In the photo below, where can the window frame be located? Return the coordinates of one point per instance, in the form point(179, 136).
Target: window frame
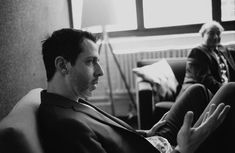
point(193, 28)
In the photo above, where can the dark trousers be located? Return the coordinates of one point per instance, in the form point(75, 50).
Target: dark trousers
point(197, 99)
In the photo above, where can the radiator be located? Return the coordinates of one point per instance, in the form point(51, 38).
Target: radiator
point(129, 61)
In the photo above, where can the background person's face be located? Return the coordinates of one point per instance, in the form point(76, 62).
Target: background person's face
point(212, 37)
point(83, 76)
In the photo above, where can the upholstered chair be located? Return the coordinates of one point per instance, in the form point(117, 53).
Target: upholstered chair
point(18, 130)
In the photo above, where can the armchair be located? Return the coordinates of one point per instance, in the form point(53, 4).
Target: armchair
point(150, 109)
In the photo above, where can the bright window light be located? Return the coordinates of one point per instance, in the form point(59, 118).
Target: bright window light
point(165, 13)
point(228, 10)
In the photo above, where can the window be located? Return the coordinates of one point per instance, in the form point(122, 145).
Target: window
point(228, 10)
point(126, 16)
point(165, 13)
point(161, 17)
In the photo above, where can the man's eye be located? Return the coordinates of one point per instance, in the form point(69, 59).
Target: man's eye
point(91, 61)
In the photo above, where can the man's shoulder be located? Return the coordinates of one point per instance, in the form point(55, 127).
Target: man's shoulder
point(54, 118)
point(199, 50)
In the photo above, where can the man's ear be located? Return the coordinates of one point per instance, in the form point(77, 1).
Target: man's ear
point(61, 65)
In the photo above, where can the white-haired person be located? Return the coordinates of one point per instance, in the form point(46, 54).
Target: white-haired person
point(210, 63)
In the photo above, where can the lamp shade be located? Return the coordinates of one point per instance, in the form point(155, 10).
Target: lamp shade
point(98, 12)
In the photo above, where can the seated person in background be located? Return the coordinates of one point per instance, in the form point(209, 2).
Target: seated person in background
point(70, 124)
point(210, 64)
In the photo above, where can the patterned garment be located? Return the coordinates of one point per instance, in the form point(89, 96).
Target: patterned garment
point(160, 143)
point(223, 66)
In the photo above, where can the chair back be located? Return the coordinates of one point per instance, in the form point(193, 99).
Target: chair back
point(18, 130)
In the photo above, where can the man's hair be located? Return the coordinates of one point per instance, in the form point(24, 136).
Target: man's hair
point(209, 25)
point(66, 43)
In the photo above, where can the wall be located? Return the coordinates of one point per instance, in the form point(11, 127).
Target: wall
point(23, 25)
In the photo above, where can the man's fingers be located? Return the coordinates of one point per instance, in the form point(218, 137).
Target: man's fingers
point(218, 110)
point(205, 117)
point(224, 113)
point(218, 116)
point(188, 119)
point(212, 109)
point(160, 123)
point(163, 117)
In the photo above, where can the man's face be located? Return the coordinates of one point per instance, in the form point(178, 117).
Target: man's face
point(212, 37)
point(83, 76)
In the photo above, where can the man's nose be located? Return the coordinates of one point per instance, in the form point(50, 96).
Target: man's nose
point(99, 70)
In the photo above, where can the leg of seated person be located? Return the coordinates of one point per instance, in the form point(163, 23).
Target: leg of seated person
point(226, 94)
point(195, 99)
point(220, 139)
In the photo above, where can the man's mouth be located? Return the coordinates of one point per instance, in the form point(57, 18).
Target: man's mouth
point(95, 82)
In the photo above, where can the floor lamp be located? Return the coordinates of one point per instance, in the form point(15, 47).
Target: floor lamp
point(108, 48)
point(102, 12)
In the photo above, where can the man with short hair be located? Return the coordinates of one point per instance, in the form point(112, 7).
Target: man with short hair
point(70, 124)
point(210, 63)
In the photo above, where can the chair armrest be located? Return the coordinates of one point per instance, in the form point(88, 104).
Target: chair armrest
point(145, 105)
point(18, 130)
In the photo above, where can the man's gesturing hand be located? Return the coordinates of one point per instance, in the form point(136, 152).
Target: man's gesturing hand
point(189, 138)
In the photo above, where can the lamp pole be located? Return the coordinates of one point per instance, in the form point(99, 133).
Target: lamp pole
point(108, 47)
point(104, 43)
